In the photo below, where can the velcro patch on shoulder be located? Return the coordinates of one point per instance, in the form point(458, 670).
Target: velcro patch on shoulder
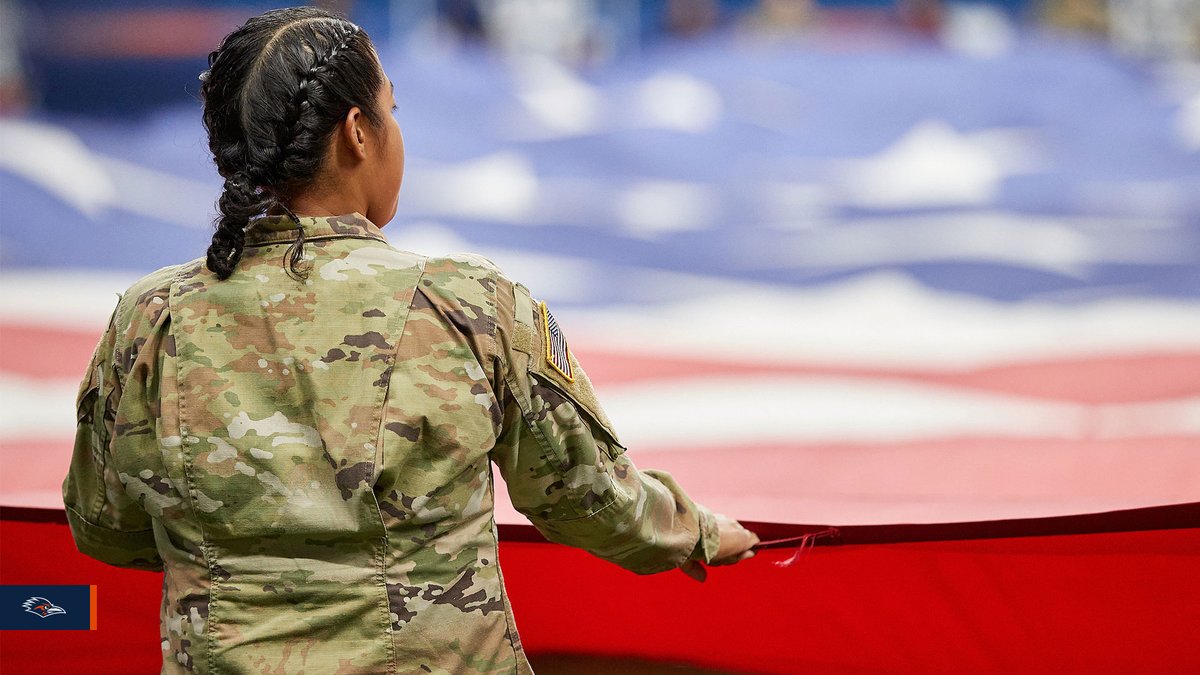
point(557, 353)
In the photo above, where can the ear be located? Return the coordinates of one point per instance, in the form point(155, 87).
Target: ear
point(353, 133)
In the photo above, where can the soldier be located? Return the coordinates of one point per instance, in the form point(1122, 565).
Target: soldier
point(300, 428)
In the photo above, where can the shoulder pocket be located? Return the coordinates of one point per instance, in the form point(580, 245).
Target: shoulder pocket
point(93, 380)
point(580, 396)
point(89, 392)
point(553, 363)
point(85, 405)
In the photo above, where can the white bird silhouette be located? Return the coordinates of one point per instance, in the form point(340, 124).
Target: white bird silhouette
point(42, 607)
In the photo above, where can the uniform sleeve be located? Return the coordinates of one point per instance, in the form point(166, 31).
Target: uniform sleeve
point(564, 466)
point(107, 525)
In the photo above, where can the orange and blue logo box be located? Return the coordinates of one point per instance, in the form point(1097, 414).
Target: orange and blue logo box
point(47, 607)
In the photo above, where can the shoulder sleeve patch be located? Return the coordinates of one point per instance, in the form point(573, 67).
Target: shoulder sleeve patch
point(557, 353)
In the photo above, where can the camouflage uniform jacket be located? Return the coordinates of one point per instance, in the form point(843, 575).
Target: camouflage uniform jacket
point(310, 461)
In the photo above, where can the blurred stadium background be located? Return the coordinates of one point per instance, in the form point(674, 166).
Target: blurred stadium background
point(827, 261)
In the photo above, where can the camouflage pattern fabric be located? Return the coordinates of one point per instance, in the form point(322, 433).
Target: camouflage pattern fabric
point(310, 461)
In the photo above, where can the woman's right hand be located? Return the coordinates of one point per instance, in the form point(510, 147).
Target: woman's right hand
point(737, 544)
point(736, 541)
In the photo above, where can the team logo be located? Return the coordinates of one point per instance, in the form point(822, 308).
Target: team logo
point(42, 607)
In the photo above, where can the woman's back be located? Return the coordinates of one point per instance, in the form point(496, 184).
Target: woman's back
point(318, 473)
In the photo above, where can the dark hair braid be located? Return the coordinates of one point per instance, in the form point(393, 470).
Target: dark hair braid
point(273, 94)
point(239, 203)
point(295, 126)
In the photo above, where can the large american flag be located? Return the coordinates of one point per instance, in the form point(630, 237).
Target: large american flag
point(895, 285)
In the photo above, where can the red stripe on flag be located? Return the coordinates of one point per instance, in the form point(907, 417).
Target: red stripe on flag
point(1109, 379)
point(46, 351)
point(1106, 379)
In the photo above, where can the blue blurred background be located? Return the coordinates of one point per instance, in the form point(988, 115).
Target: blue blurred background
point(1006, 148)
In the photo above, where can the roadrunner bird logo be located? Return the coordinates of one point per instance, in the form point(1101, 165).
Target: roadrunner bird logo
point(42, 607)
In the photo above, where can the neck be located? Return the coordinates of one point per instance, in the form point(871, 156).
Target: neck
point(329, 196)
point(324, 205)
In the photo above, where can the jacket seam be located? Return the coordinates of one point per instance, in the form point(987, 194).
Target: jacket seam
point(210, 627)
point(100, 454)
point(381, 406)
point(319, 237)
point(387, 618)
point(493, 354)
point(492, 346)
point(514, 638)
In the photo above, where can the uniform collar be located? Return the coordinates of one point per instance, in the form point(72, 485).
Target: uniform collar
point(282, 229)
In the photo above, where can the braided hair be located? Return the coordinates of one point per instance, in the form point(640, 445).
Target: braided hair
point(274, 92)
